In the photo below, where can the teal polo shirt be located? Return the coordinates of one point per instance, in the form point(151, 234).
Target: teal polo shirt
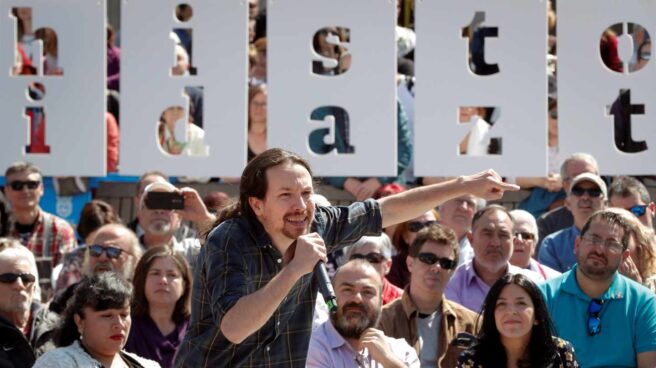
point(628, 320)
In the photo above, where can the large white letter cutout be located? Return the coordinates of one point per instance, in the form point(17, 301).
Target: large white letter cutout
point(331, 84)
point(54, 117)
point(605, 108)
point(151, 92)
point(506, 71)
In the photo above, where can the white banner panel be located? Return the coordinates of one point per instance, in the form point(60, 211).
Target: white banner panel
point(149, 90)
point(66, 93)
point(333, 100)
point(510, 40)
point(607, 113)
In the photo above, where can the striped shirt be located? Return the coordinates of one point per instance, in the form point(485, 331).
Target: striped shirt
point(238, 260)
point(50, 238)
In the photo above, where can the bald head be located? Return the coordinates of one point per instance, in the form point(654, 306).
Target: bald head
point(115, 236)
point(358, 270)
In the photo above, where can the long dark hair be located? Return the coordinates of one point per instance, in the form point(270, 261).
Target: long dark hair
point(541, 349)
point(140, 306)
point(254, 181)
point(107, 290)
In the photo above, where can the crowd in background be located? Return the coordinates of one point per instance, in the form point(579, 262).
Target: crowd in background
point(118, 292)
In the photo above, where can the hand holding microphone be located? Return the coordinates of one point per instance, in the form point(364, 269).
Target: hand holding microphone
point(309, 256)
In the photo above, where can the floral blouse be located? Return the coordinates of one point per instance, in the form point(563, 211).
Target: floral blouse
point(564, 358)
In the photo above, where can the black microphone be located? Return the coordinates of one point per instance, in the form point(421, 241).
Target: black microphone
point(325, 286)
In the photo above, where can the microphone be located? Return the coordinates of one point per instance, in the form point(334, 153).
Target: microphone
point(325, 286)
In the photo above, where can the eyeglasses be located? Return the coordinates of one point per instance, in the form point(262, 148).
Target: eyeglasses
point(594, 322)
point(638, 210)
point(112, 252)
point(430, 259)
point(523, 235)
point(415, 226)
point(370, 257)
point(10, 278)
point(592, 192)
point(19, 185)
point(610, 244)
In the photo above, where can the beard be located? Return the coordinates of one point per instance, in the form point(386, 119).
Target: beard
point(347, 328)
point(19, 303)
point(597, 269)
point(160, 227)
point(293, 232)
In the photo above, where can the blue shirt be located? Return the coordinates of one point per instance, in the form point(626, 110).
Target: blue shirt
point(628, 320)
point(238, 260)
point(557, 249)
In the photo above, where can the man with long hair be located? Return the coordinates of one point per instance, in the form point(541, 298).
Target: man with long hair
point(254, 296)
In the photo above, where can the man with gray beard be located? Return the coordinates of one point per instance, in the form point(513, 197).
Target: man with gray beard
point(349, 338)
point(160, 225)
point(25, 325)
point(113, 248)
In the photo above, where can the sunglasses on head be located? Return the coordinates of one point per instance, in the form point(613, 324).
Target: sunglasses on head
point(430, 259)
point(638, 210)
point(370, 257)
point(523, 235)
point(594, 322)
point(415, 226)
point(10, 278)
point(112, 252)
point(592, 192)
point(19, 184)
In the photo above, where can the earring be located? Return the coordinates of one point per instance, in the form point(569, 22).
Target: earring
point(81, 331)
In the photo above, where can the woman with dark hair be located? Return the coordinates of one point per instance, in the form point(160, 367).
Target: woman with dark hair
point(95, 214)
point(404, 234)
point(95, 327)
point(517, 330)
point(161, 305)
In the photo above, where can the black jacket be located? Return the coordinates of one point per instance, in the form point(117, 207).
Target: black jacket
point(15, 349)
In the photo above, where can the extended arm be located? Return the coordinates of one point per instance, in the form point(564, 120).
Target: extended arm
point(412, 203)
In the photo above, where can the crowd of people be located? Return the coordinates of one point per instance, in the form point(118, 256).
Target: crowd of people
point(425, 271)
point(460, 283)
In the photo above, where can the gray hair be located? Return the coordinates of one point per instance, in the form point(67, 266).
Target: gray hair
point(579, 156)
point(135, 248)
point(525, 216)
point(11, 248)
point(382, 241)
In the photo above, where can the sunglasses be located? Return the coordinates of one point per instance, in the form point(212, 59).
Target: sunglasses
point(594, 322)
point(522, 235)
point(112, 252)
point(430, 259)
point(415, 226)
point(19, 185)
point(638, 210)
point(10, 278)
point(592, 192)
point(370, 257)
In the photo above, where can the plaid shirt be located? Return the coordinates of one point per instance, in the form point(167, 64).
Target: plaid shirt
point(238, 260)
point(49, 240)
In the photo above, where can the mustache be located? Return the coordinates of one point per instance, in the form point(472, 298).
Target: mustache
point(353, 305)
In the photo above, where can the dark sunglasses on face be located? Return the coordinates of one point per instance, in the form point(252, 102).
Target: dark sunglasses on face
point(522, 235)
point(430, 259)
point(592, 192)
point(19, 184)
point(370, 257)
point(415, 226)
point(594, 322)
point(112, 252)
point(10, 278)
point(638, 210)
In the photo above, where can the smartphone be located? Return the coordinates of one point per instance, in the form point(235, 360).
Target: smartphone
point(164, 201)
